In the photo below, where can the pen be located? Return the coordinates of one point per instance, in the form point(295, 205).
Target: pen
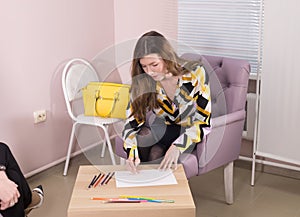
point(109, 178)
point(92, 182)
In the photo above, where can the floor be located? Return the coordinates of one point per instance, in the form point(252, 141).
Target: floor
point(272, 195)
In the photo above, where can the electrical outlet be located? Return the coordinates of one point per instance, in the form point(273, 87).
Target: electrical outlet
point(39, 116)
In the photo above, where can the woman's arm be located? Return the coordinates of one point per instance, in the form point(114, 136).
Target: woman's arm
point(131, 128)
point(199, 119)
point(196, 122)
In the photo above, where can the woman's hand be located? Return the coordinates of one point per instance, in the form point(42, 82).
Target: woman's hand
point(9, 193)
point(171, 157)
point(132, 163)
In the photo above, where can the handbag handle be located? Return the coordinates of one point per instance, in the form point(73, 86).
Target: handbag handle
point(99, 97)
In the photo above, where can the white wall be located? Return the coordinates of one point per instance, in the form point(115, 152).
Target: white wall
point(278, 135)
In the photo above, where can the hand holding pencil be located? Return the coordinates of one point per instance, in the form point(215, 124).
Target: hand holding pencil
point(132, 163)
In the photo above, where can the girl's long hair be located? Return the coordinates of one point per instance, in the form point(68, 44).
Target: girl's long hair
point(143, 87)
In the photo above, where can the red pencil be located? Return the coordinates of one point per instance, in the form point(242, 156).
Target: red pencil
point(95, 185)
point(106, 177)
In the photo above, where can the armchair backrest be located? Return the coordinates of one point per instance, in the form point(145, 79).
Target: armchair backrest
point(228, 82)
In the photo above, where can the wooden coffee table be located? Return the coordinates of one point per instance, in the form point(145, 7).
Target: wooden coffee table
point(81, 204)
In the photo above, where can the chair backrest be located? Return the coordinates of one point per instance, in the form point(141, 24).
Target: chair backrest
point(233, 75)
point(77, 73)
point(228, 82)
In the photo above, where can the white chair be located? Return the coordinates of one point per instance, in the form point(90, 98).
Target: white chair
point(77, 73)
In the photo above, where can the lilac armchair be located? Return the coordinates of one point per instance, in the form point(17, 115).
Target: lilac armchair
point(229, 83)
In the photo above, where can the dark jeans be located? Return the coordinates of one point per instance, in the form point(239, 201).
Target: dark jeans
point(14, 173)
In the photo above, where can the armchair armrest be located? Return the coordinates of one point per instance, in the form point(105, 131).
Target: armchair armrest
point(223, 143)
point(228, 118)
point(215, 149)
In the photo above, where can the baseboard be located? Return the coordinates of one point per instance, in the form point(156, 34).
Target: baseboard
point(56, 162)
point(262, 166)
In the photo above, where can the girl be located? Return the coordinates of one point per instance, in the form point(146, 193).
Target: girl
point(176, 92)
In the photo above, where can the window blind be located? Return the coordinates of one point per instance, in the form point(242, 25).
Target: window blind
point(231, 28)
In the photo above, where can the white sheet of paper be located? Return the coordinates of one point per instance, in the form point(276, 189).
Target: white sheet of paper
point(152, 177)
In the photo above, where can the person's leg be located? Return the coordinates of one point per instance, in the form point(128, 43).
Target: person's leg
point(14, 173)
point(37, 199)
point(145, 141)
point(149, 148)
point(144, 153)
point(156, 153)
point(162, 138)
point(154, 142)
point(166, 134)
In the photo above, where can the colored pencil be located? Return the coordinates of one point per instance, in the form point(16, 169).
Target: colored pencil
point(95, 185)
point(92, 182)
point(147, 198)
point(96, 179)
point(137, 197)
point(124, 201)
point(109, 178)
point(117, 200)
point(106, 177)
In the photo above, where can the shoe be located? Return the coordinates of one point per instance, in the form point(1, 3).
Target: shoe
point(37, 199)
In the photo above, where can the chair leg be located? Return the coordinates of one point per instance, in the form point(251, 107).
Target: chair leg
point(104, 146)
point(72, 136)
point(112, 156)
point(228, 182)
point(122, 161)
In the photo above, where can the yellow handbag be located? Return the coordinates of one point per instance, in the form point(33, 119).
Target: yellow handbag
point(105, 99)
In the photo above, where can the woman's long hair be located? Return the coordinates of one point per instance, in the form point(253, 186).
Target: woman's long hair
point(143, 87)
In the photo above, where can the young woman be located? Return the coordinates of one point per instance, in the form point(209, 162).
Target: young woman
point(176, 91)
point(16, 198)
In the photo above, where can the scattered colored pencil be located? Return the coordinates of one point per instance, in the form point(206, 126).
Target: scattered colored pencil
point(99, 180)
point(92, 182)
point(109, 178)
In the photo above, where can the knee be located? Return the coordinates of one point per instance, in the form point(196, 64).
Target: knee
point(14, 176)
point(156, 152)
point(3, 146)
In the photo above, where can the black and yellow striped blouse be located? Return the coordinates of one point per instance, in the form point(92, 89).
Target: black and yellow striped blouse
point(190, 108)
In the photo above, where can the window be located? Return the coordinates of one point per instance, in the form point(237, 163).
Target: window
point(231, 28)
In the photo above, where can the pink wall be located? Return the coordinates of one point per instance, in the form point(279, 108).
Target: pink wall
point(135, 17)
point(37, 38)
